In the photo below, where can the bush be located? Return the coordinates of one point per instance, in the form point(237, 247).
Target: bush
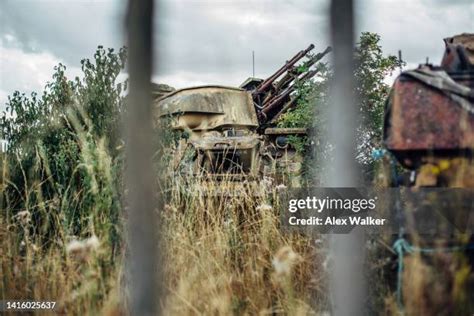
point(372, 67)
point(63, 150)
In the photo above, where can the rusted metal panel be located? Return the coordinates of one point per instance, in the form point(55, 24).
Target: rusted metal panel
point(466, 40)
point(226, 143)
point(285, 131)
point(422, 118)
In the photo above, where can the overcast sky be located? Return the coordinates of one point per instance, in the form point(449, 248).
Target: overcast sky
point(204, 41)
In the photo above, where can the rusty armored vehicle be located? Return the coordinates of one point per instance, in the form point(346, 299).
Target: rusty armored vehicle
point(429, 130)
point(429, 122)
point(231, 132)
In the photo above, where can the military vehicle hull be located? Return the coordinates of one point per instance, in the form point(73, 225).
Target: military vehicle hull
point(224, 142)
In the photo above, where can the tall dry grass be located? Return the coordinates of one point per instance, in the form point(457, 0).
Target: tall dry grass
point(225, 251)
point(229, 255)
point(42, 256)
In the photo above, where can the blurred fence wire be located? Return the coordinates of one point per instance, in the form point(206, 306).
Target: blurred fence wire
point(143, 262)
point(346, 280)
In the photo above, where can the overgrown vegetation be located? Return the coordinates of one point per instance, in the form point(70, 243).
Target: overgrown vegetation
point(63, 149)
point(61, 186)
point(61, 214)
point(61, 208)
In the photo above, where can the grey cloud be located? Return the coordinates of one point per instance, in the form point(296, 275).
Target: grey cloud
point(449, 3)
point(207, 37)
point(415, 27)
point(70, 30)
point(218, 36)
point(213, 40)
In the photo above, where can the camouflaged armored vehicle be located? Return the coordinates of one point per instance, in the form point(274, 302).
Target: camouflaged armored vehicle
point(223, 141)
point(231, 132)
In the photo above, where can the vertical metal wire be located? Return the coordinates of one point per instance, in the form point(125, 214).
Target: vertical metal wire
point(253, 64)
point(347, 282)
point(142, 227)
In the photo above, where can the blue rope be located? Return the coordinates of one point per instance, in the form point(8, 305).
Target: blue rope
point(399, 246)
point(402, 246)
point(378, 153)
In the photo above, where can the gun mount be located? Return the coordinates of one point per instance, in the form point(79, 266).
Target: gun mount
point(272, 96)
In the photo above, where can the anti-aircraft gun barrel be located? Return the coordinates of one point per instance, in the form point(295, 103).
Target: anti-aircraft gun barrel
point(272, 95)
point(318, 56)
point(287, 79)
point(281, 99)
point(268, 82)
point(292, 74)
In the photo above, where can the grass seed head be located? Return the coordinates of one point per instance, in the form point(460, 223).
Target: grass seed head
point(284, 261)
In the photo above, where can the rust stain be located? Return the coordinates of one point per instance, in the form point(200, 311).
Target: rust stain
point(423, 118)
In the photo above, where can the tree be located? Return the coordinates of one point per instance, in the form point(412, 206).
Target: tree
point(63, 148)
point(372, 67)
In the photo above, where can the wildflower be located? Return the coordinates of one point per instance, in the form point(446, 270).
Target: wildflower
point(75, 247)
point(228, 222)
point(264, 208)
point(170, 209)
point(92, 242)
point(284, 261)
point(81, 248)
point(24, 217)
point(267, 182)
point(444, 165)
